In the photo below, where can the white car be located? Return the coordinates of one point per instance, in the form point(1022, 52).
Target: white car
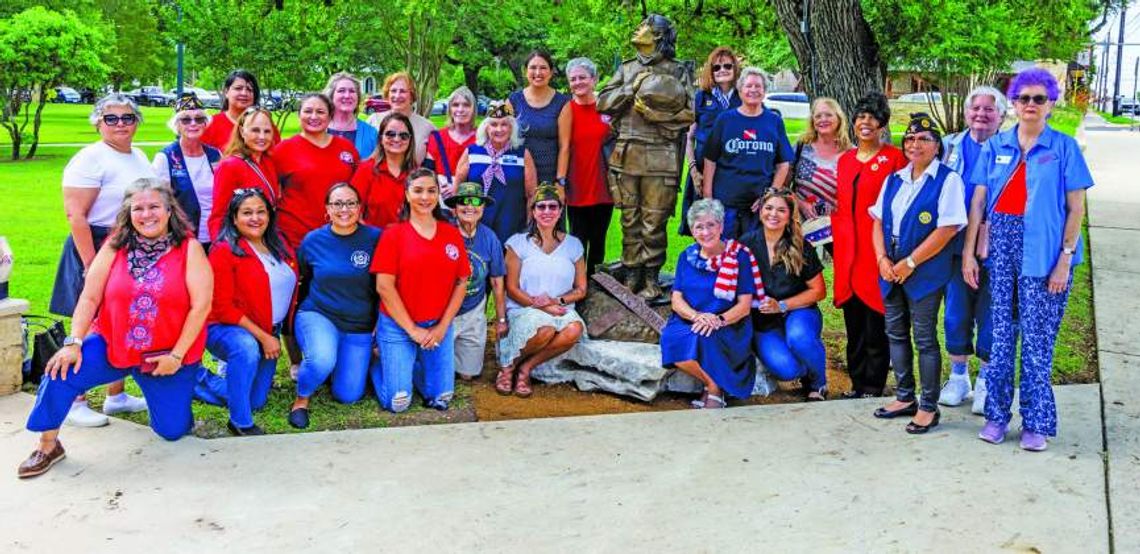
point(209, 98)
point(790, 105)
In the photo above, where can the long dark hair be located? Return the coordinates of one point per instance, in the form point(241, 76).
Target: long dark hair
point(230, 236)
point(245, 76)
point(124, 234)
point(406, 209)
point(409, 155)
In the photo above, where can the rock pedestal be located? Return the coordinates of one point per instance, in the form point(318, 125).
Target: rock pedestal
point(11, 345)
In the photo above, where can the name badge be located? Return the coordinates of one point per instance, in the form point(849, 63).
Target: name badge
point(1003, 160)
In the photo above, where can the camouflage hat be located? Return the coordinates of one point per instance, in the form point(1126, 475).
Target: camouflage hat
point(468, 190)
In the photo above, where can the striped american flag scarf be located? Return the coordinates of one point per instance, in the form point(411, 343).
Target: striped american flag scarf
point(727, 270)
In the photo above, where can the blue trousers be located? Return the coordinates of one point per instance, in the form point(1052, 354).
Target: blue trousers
point(249, 375)
point(1026, 303)
point(907, 317)
point(738, 222)
point(404, 365)
point(795, 349)
point(330, 351)
point(168, 397)
point(968, 309)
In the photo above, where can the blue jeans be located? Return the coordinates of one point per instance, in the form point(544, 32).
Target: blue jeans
point(330, 351)
point(248, 373)
point(968, 309)
point(738, 222)
point(404, 364)
point(168, 397)
point(796, 349)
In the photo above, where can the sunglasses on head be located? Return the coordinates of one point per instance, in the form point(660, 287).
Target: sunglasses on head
point(547, 207)
point(473, 201)
point(725, 66)
point(125, 119)
point(401, 135)
point(186, 120)
point(1039, 99)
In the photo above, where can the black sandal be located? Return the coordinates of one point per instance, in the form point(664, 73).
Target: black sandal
point(917, 429)
point(884, 413)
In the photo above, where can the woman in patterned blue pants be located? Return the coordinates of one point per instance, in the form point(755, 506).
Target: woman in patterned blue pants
point(1031, 184)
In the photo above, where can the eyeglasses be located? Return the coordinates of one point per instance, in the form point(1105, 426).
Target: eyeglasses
point(125, 119)
point(1039, 99)
point(200, 120)
point(720, 66)
point(341, 205)
point(401, 135)
point(913, 140)
point(473, 201)
point(547, 207)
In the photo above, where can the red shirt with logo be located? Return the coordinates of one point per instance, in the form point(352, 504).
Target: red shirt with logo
point(381, 193)
point(426, 270)
point(306, 172)
point(221, 129)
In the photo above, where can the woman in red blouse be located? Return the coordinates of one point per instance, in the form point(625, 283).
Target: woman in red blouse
point(381, 178)
point(142, 311)
point(307, 165)
point(247, 165)
point(239, 92)
point(447, 145)
point(861, 173)
point(587, 196)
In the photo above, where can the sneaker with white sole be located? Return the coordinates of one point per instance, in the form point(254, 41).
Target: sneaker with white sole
point(979, 406)
point(123, 402)
point(81, 415)
point(955, 391)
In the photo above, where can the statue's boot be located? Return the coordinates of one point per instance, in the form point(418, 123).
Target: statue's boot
point(634, 278)
point(651, 290)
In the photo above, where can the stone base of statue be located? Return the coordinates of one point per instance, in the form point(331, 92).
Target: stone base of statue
point(623, 354)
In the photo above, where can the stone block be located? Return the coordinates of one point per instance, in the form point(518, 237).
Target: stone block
point(11, 362)
point(11, 344)
point(11, 331)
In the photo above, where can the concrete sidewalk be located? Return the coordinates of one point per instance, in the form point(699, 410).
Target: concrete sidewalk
point(1114, 231)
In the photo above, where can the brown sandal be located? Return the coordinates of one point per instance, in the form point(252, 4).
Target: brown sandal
point(522, 385)
point(504, 380)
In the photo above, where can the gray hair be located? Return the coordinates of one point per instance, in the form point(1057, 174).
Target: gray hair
point(753, 71)
point(481, 133)
point(583, 63)
point(705, 207)
point(113, 100)
point(1000, 101)
point(341, 76)
point(466, 94)
point(172, 123)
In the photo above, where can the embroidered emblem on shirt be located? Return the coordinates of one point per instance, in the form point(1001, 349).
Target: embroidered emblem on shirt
point(874, 167)
point(452, 252)
point(360, 259)
point(924, 218)
point(346, 157)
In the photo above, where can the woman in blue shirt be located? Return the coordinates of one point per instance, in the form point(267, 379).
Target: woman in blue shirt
point(716, 95)
point(1030, 193)
point(543, 117)
point(336, 311)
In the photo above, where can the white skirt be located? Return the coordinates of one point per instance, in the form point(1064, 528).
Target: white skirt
point(525, 323)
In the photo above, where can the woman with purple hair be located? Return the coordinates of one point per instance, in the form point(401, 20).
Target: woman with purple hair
point(1028, 204)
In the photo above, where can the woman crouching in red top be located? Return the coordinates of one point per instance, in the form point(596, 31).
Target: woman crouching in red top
point(381, 178)
point(308, 165)
point(861, 173)
point(422, 269)
point(255, 284)
point(247, 165)
point(142, 311)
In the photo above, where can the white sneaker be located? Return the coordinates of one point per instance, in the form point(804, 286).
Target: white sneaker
point(979, 407)
point(955, 391)
point(81, 415)
point(123, 402)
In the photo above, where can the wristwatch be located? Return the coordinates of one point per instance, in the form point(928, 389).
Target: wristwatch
point(1069, 251)
point(72, 341)
point(783, 306)
point(561, 181)
point(561, 302)
point(502, 320)
point(910, 262)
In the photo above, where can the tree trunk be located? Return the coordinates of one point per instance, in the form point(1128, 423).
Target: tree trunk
point(471, 79)
point(846, 54)
point(36, 124)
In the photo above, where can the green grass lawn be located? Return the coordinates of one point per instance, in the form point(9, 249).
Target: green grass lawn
point(1118, 119)
point(31, 217)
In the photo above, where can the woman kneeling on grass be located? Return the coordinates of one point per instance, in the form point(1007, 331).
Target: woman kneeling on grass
point(142, 311)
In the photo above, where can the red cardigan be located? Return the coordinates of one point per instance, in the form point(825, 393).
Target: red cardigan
point(241, 287)
point(856, 270)
point(234, 173)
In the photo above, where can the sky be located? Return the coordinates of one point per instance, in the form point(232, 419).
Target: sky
point(1131, 52)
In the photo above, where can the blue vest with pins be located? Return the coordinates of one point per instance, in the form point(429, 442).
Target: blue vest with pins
point(180, 179)
point(919, 221)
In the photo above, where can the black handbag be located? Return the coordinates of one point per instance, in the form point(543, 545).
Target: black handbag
point(47, 340)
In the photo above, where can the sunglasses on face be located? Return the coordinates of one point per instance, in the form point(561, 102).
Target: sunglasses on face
point(724, 66)
point(547, 207)
point(399, 135)
point(341, 205)
point(126, 119)
point(200, 120)
point(473, 201)
point(1025, 99)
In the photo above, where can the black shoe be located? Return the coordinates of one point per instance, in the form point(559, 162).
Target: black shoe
point(883, 413)
point(251, 431)
point(855, 395)
point(299, 418)
point(916, 429)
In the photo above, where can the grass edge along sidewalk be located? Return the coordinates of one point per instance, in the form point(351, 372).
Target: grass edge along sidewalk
point(32, 200)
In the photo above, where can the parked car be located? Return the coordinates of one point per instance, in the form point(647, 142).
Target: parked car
point(150, 96)
point(439, 107)
point(1129, 107)
point(208, 98)
point(66, 95)
point(376, 103)
point(922, 97)
point(482, 104)
point(790, 105)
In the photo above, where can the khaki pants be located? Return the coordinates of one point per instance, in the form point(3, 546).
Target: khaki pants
point(646, 204)
point(470, 340)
